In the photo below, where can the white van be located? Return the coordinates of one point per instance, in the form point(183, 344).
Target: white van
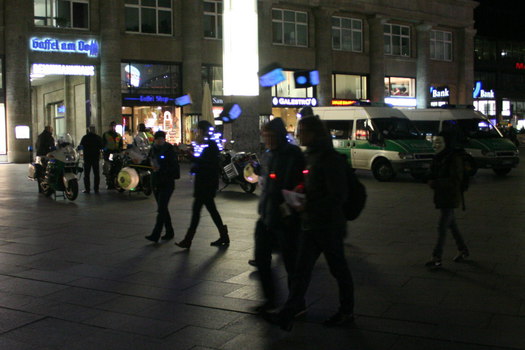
point(482, 141)
point(381, 139)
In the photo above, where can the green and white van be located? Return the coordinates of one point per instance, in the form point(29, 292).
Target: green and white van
point(381, 139)
point(482, 141)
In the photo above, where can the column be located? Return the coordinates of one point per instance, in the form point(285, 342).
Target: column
point(110, 90)
point(423, 56)
point(466, 65)
point(377, 59)
point(323, 53)
point(192, 35)
point(18, 21)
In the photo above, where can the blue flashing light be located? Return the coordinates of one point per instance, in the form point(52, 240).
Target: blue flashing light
point(183, 100)
point(314, 77)
point(272, 78)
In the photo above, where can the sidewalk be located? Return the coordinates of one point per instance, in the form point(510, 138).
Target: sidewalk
point(80, 275)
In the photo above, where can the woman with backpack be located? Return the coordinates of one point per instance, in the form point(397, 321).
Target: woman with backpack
point(446, 179)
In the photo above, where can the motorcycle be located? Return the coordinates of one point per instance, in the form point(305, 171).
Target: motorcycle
point(112, 166)
point(135, 174)
point(58, 171)
point(239, 168)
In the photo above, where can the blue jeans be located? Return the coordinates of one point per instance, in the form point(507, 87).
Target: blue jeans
point(447, 220)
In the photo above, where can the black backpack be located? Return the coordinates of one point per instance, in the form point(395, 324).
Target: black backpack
point(356, 196)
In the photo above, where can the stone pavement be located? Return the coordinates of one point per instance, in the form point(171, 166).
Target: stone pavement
point(80, 275)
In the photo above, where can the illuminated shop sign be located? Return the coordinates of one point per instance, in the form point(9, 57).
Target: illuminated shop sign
point(89, 48)
point(520, 65)
point(401, 101)
point(150, 99)
point(217, 100)
point(39, 70)
point(439, 92)
point(294, 101)
point(343, 102)
point(480, 93)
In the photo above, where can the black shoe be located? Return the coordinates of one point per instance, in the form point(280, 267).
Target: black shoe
point(85, 191)
point(461, 256)
point(252, 262)
point(434, 263)
point(221, 242)
point(152, 238)
point(338, 319)
point(265, 308)
point(167, 236)
point(282, 319)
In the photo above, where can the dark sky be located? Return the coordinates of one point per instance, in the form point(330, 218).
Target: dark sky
point(504, 19)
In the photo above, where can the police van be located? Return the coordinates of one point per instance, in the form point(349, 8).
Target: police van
point(483, 142)
point(380, 139)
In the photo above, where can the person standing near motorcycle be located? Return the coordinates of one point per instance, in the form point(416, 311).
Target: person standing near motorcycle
point(205, 160)
point(91, 145)
point(165, 171)
point(45, 141)
point(282, 168)
point(111, 143)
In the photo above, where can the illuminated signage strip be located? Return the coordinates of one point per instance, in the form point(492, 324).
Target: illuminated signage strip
point(42, 69)
point(294, 101)
point(401, 101)
point(89, 48)
point(343, 102)
point(439, 92)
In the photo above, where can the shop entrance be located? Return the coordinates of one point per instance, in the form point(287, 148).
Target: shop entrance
point(165, 118)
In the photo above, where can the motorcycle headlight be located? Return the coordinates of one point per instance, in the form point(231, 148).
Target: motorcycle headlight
point(403, 155)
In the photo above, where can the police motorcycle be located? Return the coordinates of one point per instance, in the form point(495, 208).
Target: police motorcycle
point(58, 170)
point(239, 168)
point(135, 174)
point(112, 166)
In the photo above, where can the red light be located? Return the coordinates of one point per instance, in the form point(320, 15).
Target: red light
point(306, 171)
point(273, 176)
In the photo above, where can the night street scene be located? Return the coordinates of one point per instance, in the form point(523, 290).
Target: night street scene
point(262, 175)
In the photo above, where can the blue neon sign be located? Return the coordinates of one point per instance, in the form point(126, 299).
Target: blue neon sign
point(89, 48)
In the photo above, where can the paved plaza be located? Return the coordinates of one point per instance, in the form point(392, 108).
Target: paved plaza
point(80, 275)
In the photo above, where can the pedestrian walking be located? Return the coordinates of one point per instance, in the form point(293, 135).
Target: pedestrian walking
point(205, 158)
point(447, 176)
point(323, 225)
point(282, 166)
point(165, 171)
point(91, 145)
point(45, 141)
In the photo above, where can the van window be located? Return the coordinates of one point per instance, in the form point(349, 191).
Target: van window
point(396, 128)
point(475, 128)
point(340, 129)
point(362, 128)
point(428, 127)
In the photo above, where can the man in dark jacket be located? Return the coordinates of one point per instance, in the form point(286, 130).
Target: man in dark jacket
point(205, 158)
point(45, 141)
point(447, 171)
point(323, 224)
point(278, 225)
point(91, 145)
point(165, 170)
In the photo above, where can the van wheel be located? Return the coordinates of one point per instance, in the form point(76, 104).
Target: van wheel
point(382, 170)
point(502, 171)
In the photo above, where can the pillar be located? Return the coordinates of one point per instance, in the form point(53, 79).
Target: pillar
point(423, 56)
point(323, 53)
point(466, 65)
point(18, 21)
point(377, 59)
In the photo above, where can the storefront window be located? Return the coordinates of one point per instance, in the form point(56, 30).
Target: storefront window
point(347, 34)
point(397, 40)
point(213, 75)
point(165, 118)
point(350, 87)
point(290, 27)
point(149, 16)
point(144, 78)
point(213, 19)
point(287, 88)
point(395, 86)
point(62, 13)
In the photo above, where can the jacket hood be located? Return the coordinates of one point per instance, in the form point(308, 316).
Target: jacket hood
point(277, 126)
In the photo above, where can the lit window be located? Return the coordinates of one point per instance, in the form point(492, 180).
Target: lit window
point(62, 13)
point(397, 40)
point(213, 19)
point(349, 87)
point(347, 34)
point(149, 16)
point(440, 45)
point(290, 27)
point(400, 87)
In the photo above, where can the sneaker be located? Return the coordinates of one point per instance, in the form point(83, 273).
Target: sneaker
point(435, 263)
point(461, 256)
point(338, 319)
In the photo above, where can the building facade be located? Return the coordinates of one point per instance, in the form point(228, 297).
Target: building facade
point(72, 63)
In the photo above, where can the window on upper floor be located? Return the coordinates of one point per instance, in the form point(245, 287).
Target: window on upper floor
point(213, 19)
point(347, 34)
point(62, 13)
point(440, 45)
point(290, 27)
point(397, 40)
point(149, 16)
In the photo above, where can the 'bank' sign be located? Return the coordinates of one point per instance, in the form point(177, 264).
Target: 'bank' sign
point(89, 48)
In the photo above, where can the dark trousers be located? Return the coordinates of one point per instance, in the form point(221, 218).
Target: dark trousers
point(447, 220)
point(285, 238)
point(162, 196)
point(198, 203)
point(313, 243)
point(88, 165)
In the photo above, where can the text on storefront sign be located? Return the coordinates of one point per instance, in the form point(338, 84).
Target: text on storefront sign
point(90, 48)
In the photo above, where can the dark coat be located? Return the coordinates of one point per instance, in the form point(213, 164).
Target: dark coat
point(286, 163)
point(44, 143)
point(92, 144)
point(447, 175)
point(206, 169)
point(325, 187)
point(166, 159)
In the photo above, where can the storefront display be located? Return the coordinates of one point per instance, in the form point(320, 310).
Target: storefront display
point(165, 118)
